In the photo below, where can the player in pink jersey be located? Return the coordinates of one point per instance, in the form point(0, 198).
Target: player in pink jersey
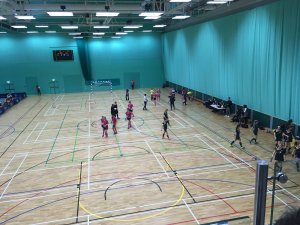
point(130, 108)
point(114, 124)
point(104, 125)
point(128, 117)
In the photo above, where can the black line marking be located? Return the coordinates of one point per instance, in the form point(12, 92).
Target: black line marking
point(78, 196)
point(175, 173)
point(105, 198)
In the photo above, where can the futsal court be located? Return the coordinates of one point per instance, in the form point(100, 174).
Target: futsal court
point(55, 168)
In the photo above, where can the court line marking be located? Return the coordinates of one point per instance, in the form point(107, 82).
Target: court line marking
point(247, 164)
point(40, 132)
point(176, 121)
point(157, 159)
point(217, 152)
point(50, 107)
point(193, 215)
point(12, 177)
point(25, 142)
point(89, 167)
point(7, 165)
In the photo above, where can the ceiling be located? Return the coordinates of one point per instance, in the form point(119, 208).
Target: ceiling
point(85, 14)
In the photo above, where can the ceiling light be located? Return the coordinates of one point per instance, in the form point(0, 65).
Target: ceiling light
point(60, 13)
point(50, 31)
point(147, 31)
point(121, 33)
point(98, 33)
point(160, 25)
point(96, 37)
point(25, 17)
point(217, 2)
point(19, 26)
point(69, 27)
point(132, 26)
point(32, 32)
point(180, 0)
point(2, 18)
point(78, 37)
point(3, 32)
point(41, 26)
point(115, 37)
point(180, 17)
point(101, 27)
point(128, 31)
point(152, 17)
point(75, 33)
point(150, 13)
point(107, 14)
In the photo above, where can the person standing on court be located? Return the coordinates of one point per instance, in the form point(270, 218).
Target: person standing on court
point(237, 136)
point(104, 125)
point(172, 101)
point(166, 116)
point(114, 108)
point(255, 131)
point(38, 90)
point(145, 102)
point(296, 155)
point(165, 127)
point(132, 84)
point(228, 107)
point(114, 124)
point(127, 95)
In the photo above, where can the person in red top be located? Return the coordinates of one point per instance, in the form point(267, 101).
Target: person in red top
point(158, 94)
point(130, 108)
point(114, 123)
point(128, 117)
point(104, 125)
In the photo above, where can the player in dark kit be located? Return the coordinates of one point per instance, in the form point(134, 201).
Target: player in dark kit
point(165, 127)
point(237, 136)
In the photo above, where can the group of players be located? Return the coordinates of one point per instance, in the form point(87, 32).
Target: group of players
point(129, 114)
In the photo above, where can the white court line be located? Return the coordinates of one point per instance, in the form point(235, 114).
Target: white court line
point(50, 107)
point(157, 159)
point(31, 133)
point(41, 132)
point(191, 212)
point(247, 164)
point(89, 166)
point(217, 152)
point(176, 121)
point(13, 177)
point(7, 165)
point(183, 119)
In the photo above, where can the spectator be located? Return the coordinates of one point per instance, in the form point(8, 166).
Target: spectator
point(38, 90)
point(228, 107)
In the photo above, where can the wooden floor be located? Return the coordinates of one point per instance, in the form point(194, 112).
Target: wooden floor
point(55, 168)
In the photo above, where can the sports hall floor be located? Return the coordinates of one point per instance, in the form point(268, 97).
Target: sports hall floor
point(55, 168)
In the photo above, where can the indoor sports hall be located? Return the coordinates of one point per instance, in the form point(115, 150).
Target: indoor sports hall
point(181, 153)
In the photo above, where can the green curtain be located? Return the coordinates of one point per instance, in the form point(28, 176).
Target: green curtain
point(84, 58)
point(252, 56)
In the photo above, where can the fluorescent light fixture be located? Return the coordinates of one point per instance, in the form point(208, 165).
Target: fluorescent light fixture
point(25, 17)
point(180, 17)
point(121, 33)
point(97, 37)
point(115, 37)
point(216, 2)
point(32, 32)
point(19, 26)
point(107, 14)
point(2, 18)
point(150, 13)
point(60, 13)
point(69, 27)
point(75, 33)
point(180, 0)
point(41, 26)
point(132, 26)
point(128, 31)
point(160, 25)
point(98, 33)
point(50, 31)
point(78, 37)
point(152, 17)
point(101, 27)
point(147, 31)
point(3, 32)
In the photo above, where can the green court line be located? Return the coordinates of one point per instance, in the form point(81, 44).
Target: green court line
point(120, 152)
point(81, 103)
point(75, 142)
point(56, 136)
